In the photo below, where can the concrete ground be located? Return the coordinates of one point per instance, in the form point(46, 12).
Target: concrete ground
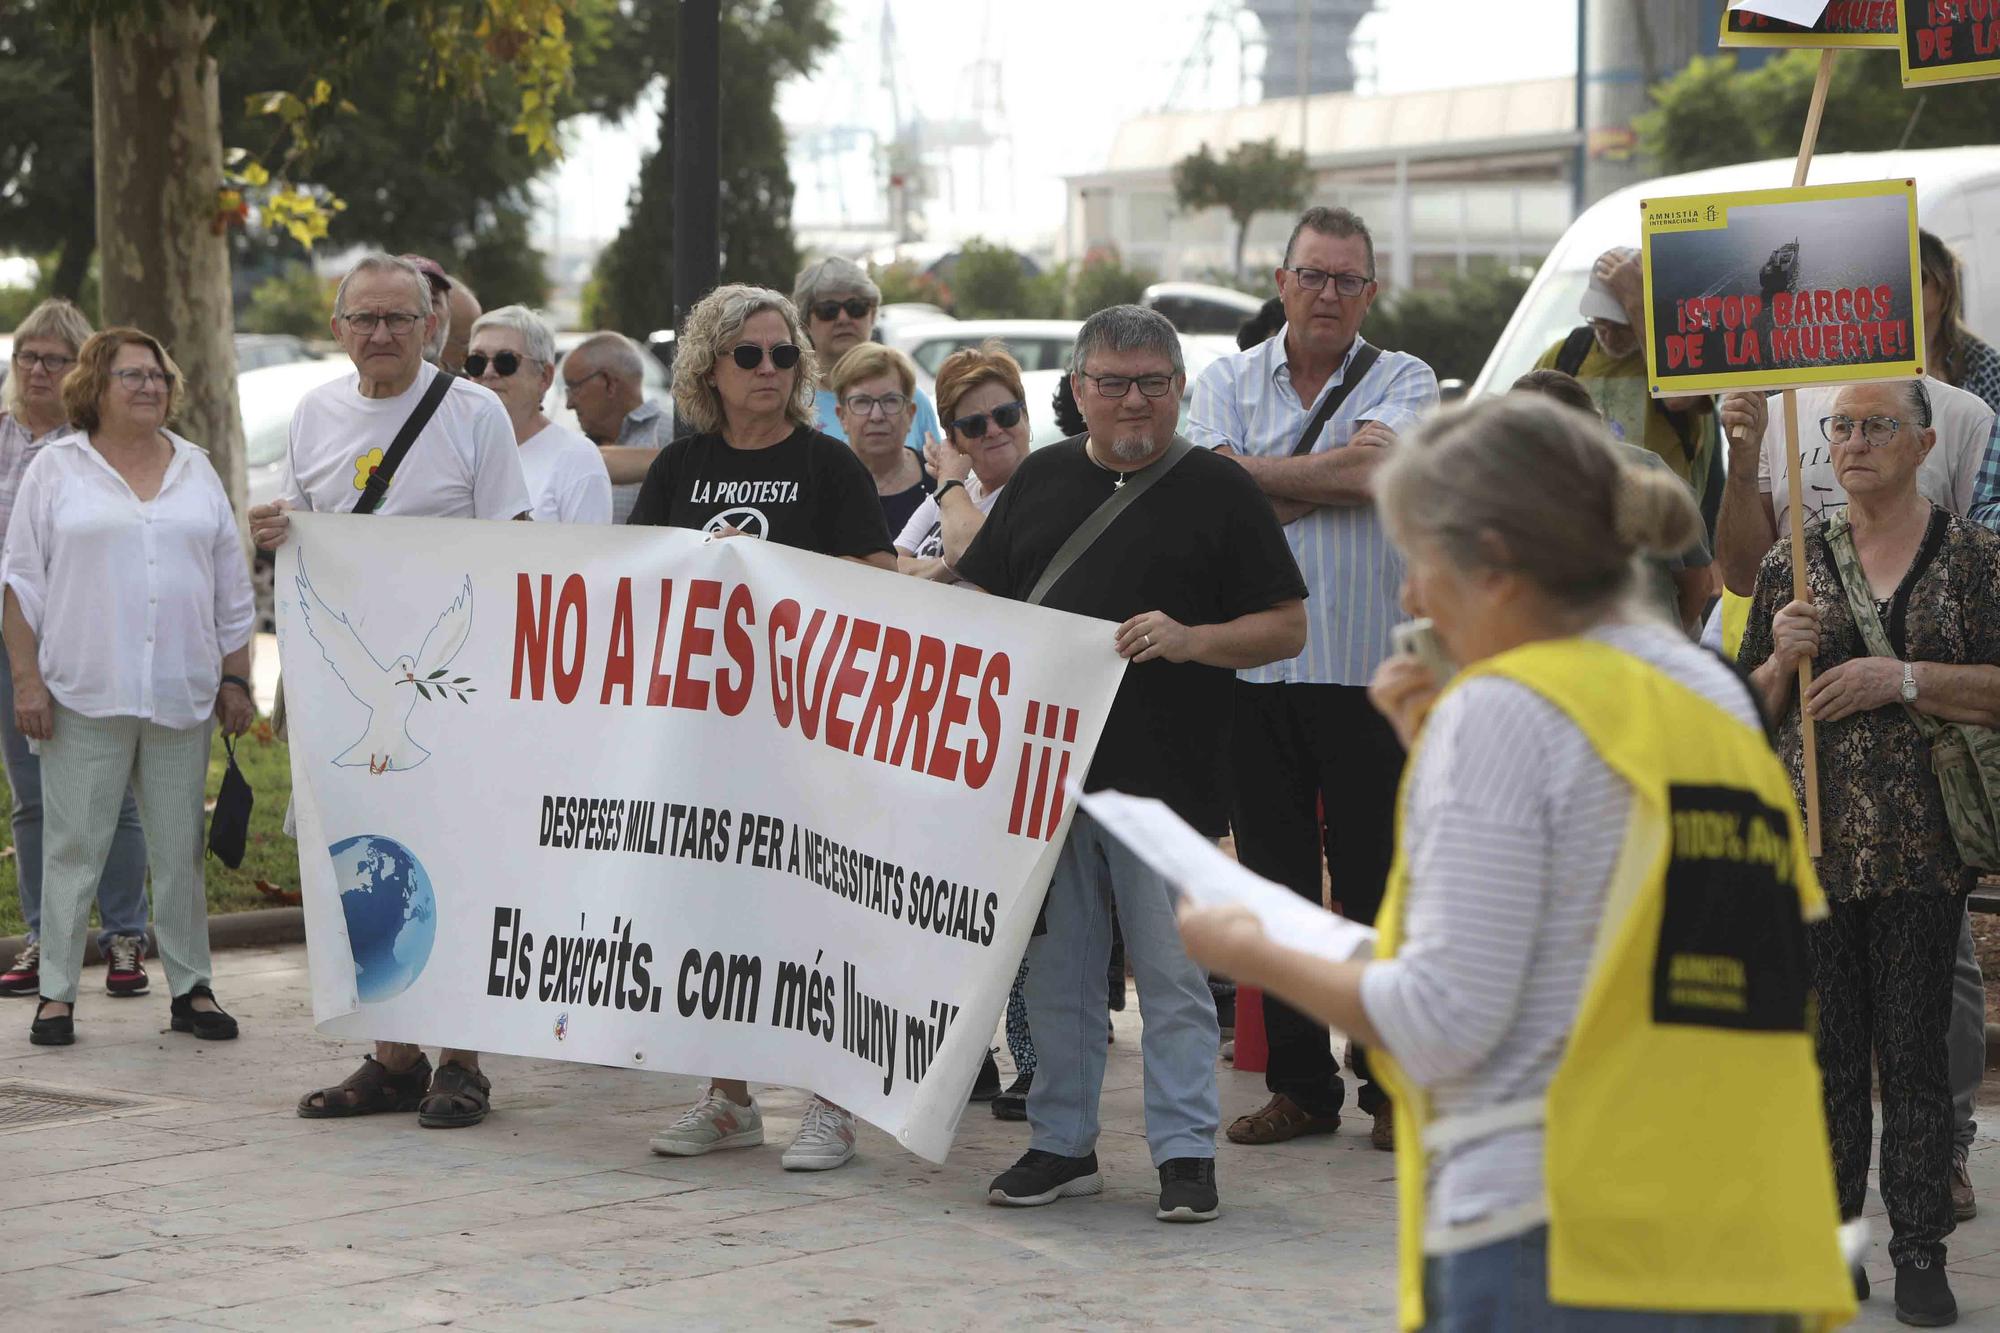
point(213, 1206)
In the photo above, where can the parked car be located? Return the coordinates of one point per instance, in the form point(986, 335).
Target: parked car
point(1200, 307)
point(255, 351)
point(268, 396)
point(899, 315)
point(1040, 387)
point(1038, 344)
point(1957, 189)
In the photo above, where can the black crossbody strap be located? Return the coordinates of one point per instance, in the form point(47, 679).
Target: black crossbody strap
point(1357, 371)
point(413, 426)
point(1121, 498)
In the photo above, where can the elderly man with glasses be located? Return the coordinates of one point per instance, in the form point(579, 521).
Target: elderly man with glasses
point(604, 382)
point(838, 301)
point(463, 463)
point(1311, 415)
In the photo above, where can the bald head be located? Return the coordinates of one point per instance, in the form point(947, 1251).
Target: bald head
point(606, 380)
point(465, 312)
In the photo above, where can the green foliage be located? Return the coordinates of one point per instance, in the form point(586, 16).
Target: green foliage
point(295, 300)
point(1254, 178)
point(48, 200)
point(500, 264)
point(1453, 330)
point(16, 302)
point(1104, 281)
point(904, 282)
point(990, 282)
point(1713, 113)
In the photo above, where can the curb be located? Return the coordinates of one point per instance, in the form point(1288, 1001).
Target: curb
point(283, 925)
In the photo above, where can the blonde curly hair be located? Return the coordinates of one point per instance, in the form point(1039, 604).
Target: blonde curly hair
point(713, 327)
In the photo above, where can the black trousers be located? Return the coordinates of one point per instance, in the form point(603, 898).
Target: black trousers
point(1882, 967)
point(1294, 750)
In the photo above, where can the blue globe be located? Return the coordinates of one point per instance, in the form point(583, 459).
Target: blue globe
point(391, 913)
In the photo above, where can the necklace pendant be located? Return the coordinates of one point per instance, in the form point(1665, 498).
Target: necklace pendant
point(1119, 485)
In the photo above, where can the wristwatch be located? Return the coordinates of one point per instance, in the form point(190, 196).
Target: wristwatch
point(1909, 683)
point(939, 497)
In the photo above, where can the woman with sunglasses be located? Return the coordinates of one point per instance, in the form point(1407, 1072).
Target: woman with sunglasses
point(757, 468)
point(514, 354)
point(127, 623)
point(875, 387)
point(980, 394)
point(838, 301)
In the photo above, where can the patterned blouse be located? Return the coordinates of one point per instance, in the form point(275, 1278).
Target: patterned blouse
point(1882, 817)
point(1978, 370)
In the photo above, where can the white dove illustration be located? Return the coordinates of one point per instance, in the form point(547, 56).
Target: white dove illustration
point(386, 691)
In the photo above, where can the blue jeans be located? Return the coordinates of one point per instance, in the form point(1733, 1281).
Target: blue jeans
point(1067, 1009)
point(1504, 1288)
point(121, 889)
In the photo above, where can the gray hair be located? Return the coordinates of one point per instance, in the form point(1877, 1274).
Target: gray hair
point(1333, 222)
point(536, 335)
point(1126, 328)
point(832, 276)
point(612, 352)
point(713, 327)
point(377, 261)
point(56, 320)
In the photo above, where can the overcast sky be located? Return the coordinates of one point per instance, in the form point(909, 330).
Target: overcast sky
point(1069, 71)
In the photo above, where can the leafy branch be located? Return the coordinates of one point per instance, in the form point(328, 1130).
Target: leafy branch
point(436, 687)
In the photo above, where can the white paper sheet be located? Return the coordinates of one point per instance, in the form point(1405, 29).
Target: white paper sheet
point(1803, 12)
point(1198, 868)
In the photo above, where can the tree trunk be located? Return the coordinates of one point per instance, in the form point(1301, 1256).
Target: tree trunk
point(159, 167)
point(72, 266)
point(1242, 235)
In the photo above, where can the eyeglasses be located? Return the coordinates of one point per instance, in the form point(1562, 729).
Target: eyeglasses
point(749, 356)
point(857, 307)
point(1006, 417)
point(861, 405)
point(1347, 284)
point(1876, 431)
point(31, 361)
point(1117, 386)
point(571, 388)
point(505, 364)
point(137, 380)
point(365, 322)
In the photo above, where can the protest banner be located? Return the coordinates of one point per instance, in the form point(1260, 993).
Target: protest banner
point(1767, 289)
point(1949, 41)
point(646, 798)
point(1844, 23)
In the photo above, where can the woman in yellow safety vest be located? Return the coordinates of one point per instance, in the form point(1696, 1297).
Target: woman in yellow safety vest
point(1591, 984)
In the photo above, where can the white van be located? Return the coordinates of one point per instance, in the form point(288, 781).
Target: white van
point(1958, 198)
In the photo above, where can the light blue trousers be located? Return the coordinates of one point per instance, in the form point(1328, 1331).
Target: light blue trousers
point(1068, 1013)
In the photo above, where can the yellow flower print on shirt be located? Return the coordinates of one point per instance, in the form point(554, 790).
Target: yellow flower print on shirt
point(364, 468)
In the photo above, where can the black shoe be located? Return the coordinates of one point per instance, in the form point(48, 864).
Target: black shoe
point(1923, 1297)
point(1043, 1177)
point(1187, 1190)
point(53, 1031)
point(207, 1024)
point(1860, 1282)
point(1013, 1103)
point(987, 1086)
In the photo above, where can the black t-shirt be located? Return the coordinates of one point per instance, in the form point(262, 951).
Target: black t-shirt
point(808, 490)
point(897, 508)
point(1202, 546)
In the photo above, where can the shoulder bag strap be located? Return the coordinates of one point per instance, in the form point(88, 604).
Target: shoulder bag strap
point(1861, 605)
point(1575, 349)
point(1357, 370)
point(413, 425)
point(1102, 517)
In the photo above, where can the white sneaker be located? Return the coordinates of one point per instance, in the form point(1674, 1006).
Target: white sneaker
point(826, 1138)
point(713, 1122)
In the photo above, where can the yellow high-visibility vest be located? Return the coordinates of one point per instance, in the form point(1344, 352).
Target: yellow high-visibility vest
point(1735, 619)
point(1686, 1161)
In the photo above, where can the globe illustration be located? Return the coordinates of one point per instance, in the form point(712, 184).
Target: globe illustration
point(391, 913)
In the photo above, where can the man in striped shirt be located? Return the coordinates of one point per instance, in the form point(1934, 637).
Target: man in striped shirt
point(1310, 415)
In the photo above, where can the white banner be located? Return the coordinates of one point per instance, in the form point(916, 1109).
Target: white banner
point(639, 797)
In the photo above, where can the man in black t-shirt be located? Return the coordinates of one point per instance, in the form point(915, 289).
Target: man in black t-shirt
point(1198, 581)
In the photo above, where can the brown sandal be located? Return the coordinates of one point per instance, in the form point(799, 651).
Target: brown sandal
point(458, 1097)
point(373, 1089)
point(1279, 1120)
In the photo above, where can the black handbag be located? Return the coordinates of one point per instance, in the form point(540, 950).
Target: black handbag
point(229, 826)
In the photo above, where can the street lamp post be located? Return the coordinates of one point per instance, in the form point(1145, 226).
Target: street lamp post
point(696, 90)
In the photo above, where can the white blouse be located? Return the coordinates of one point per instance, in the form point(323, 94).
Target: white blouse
point(134, 604)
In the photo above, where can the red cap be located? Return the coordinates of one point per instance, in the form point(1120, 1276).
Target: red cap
point(431, 269)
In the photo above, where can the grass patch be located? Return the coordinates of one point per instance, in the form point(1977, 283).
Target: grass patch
point(270, 855)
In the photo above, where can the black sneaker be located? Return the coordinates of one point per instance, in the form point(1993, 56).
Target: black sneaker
point(1043, 1177)
point(1187, 1190)
point(987, 1086)
point(1013, 1103)
point(1860, 1276)
point(1923, 1297)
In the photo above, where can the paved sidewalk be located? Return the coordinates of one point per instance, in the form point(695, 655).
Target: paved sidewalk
point(216, 1207)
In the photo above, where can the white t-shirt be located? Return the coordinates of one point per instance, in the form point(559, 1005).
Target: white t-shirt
point(566, 479)
point(464, 464)
point(923, 535)
point(1948, 477)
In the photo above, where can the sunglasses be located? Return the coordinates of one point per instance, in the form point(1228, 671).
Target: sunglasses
point(856, 307)
point(504, 364)
point(1006, 417)
point(749, 356)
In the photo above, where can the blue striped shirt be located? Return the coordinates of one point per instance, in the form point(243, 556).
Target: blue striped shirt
point(1355, 576)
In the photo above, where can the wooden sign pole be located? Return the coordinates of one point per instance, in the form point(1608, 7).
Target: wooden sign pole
point(1794, 486)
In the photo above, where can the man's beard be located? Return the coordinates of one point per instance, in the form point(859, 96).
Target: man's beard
point(1132, 448)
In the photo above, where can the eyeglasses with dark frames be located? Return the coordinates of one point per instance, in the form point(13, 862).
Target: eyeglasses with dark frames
point(1006, 416)
point(1314, 279)
point(1117, 386)
point(857, 307)
point(1876, 432)
point(861, 405)
point(365, 322)
point(504, 365)
point(55, 364)
point(749, 356)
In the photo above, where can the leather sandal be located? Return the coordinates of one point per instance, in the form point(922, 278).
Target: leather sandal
point(373, 1089)
point(1280, 1119)
point(458, 1097)
point(207, 1024)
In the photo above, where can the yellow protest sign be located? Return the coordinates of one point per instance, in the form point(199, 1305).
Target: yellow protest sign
point(1845, 23)
point(1949, 41)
